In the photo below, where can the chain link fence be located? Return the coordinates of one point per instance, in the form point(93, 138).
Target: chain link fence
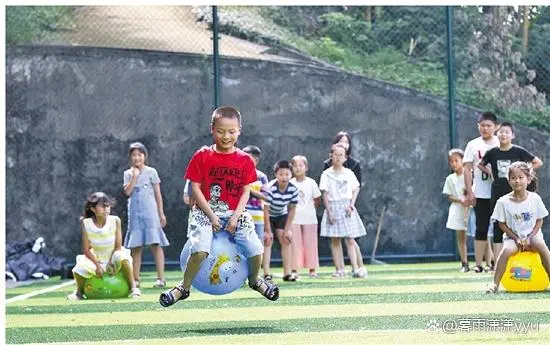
point(502, 54)
point(502, 61)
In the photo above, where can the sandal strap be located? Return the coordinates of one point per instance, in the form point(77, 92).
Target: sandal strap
point(184, 292)
point(266, 288)
point(167, 298)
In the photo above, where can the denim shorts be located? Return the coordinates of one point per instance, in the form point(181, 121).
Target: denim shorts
point(201, 234)
point(259, 228)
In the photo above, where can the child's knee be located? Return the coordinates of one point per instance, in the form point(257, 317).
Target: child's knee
point(200, 256)
point(543, 251)
point(125, 263)
point(505, 253)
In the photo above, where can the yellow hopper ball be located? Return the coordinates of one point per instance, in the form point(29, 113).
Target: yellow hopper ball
point(525, 273)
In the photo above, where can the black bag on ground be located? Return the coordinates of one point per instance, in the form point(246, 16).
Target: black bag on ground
point(25, 260)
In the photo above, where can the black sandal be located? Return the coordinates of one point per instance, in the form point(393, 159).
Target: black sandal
point(478, 269)
point(268, 277)
point(166, 298)
point(289, 278)
point(266, 288)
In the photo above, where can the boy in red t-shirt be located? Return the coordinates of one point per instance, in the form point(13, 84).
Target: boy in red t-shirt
point(221, 176)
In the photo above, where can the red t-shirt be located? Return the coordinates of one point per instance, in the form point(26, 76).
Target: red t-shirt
point(222, 176)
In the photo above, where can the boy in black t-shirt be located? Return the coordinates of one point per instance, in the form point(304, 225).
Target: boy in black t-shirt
point(500, 158)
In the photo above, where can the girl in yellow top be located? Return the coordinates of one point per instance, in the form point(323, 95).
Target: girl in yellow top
point(102, 246)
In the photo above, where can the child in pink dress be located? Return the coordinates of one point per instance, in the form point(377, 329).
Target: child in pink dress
point(304, 246)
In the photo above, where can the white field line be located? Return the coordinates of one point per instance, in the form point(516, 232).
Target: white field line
point(39, 292)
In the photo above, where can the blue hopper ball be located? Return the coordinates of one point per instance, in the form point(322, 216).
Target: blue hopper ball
point(223, 271)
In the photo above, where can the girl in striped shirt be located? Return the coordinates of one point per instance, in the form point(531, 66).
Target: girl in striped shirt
point(102, 246)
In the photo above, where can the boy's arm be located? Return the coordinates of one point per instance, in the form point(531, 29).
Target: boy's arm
point(287, 233)
point(232, 224)
point(262, 194)
point(267, 223)
point(483, 167)
point(468, 164)
point(536, 163)
point(188, 200)
point(201, 200)
point(242, 201)
point(468, 179)
point(268, 233)
point(187, 194)
point(257, 194)
point(290, 217)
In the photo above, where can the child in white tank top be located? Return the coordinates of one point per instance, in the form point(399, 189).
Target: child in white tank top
point(102, 246)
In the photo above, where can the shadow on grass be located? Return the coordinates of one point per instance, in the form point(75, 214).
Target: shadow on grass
point(230, 331)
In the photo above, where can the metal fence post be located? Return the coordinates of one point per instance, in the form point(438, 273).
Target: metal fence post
point(451, 78)
point(451, 92)
point(216, 56)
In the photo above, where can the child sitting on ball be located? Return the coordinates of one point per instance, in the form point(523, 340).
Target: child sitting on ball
point(102, 246)
point(519, 215)
point(221, 176)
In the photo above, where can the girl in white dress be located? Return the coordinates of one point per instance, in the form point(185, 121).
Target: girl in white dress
point(459, 209)
point(340, 220)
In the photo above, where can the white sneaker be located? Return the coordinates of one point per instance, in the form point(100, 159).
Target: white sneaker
point(160, 284)
point(339, 274)
point(75, 296)
point(360, 273)
point(491, 288)
point(136, 292)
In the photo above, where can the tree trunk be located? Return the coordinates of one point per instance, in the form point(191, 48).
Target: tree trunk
point(368, 17)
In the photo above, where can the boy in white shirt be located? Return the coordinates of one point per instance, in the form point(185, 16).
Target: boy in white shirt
point(481, 198)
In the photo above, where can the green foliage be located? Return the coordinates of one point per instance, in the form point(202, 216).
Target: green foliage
point(301, 20)
point(347, 31)
point(28, 24)
point(540, 120)
point(407, 46)
point(538, 57)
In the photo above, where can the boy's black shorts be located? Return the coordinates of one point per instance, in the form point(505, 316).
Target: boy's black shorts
point(278, 222)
